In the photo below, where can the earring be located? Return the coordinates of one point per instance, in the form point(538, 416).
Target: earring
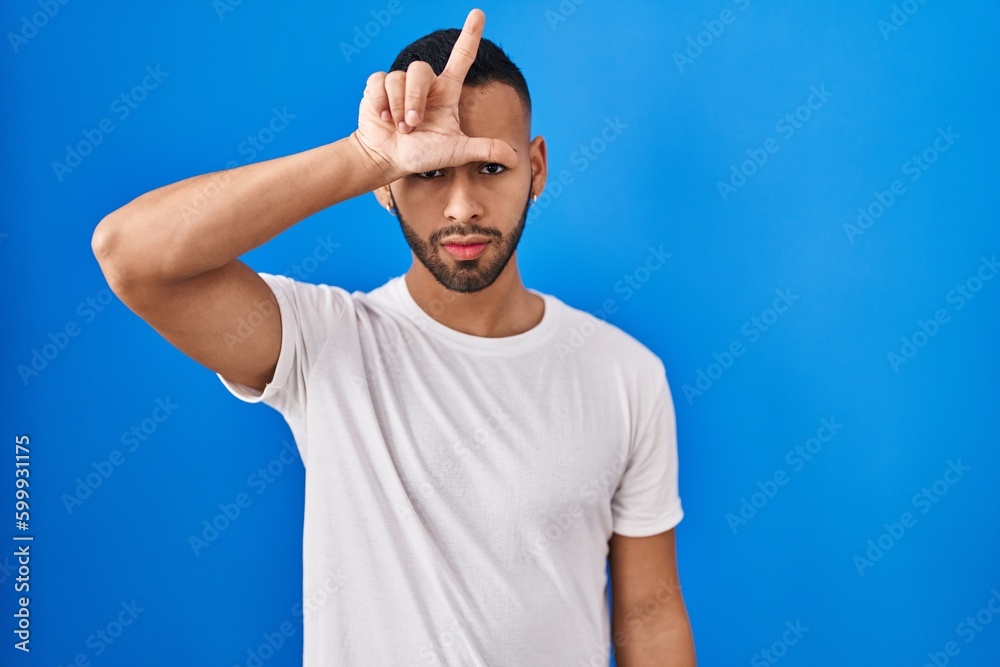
point(391, 209)
point(534, 198)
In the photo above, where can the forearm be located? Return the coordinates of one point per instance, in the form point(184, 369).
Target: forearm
point(202, 223)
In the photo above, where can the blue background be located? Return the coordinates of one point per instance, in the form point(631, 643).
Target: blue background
point(794, 556)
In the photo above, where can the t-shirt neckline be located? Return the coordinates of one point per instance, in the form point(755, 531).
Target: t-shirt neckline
point(521, 342)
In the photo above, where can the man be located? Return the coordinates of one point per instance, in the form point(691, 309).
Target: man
point(470, 463)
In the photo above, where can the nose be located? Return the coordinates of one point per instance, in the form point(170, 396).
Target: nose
point(462, 203)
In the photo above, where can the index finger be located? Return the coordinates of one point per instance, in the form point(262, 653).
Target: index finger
point(463, 54)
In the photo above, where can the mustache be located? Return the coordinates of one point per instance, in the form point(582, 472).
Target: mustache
point(465, 230)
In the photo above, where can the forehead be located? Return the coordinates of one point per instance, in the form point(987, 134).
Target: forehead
point(493, 110)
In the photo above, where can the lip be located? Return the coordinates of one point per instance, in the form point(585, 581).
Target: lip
point(465, 250)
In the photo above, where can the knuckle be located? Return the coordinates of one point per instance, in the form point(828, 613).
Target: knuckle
point(464, 52)
point(418, 65)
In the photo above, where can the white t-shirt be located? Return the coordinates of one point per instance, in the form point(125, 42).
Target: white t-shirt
point(460, 491)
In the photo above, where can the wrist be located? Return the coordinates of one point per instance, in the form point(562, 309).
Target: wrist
point(380, 170)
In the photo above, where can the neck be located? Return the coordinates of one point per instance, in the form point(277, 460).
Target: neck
point(505, 308)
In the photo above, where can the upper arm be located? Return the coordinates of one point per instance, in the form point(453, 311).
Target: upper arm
point(643, 568)
point(227, 319)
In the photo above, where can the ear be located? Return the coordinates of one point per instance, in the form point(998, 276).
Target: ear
point(539, 165)
point(384, 196)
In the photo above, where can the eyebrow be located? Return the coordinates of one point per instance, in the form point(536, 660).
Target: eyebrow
point(417, 173)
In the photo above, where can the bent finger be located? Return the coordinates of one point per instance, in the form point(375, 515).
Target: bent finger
point(395, 88)
point(375, 90)
point(419, 76)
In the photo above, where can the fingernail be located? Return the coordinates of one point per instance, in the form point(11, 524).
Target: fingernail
point(403, 126)
point(412, 118)
point(386, 115)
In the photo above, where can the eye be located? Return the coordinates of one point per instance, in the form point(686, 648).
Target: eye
point(494, 164)
point(495, 169)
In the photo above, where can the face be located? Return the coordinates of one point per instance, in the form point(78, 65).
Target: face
point(484, 199)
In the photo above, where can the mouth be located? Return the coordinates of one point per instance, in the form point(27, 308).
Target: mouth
point(469, 247)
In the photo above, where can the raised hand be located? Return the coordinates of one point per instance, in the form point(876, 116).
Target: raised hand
point(408, 121)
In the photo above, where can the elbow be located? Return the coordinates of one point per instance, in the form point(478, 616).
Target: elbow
point(136, 250)
point(117, 258)
point(102, 244)
point(100, 241)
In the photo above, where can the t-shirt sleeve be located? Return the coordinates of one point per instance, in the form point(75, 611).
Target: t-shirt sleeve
point(647, 500)
point(309, 315)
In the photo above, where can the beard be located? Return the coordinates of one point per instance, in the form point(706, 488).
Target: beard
point(466, 275)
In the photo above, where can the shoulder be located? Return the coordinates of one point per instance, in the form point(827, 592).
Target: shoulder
point(585, 337)
point(288, 286)
point(310, 306)
point(315, 296)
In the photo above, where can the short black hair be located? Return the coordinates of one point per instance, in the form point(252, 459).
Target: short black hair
point(491, 63)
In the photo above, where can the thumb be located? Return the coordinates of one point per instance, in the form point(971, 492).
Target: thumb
point(482, 149)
